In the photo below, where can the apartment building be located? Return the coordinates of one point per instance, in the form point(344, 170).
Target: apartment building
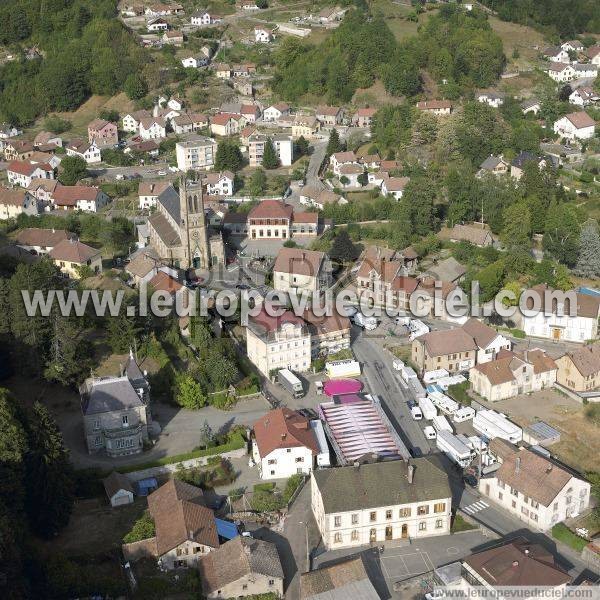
point(378, 502)
point(452, 349)
point(579, 370)
point(282, 144)
point(196, 153)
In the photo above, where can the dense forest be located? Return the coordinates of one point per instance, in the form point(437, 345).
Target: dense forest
point(83, 50)
point(565, 17)
point(456, 46)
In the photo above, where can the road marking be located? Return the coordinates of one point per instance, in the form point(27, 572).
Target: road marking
point(452, 550)
point(476, 507)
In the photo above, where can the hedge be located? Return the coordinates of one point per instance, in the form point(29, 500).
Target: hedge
point(236, 442)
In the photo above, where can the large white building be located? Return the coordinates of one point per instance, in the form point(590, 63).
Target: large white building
point(274, 343)
point(378, 502)
point(196, 153)
point(489, 341)
point(553, 321)
point(533, 488)
point(283, 444)
point(577, 125)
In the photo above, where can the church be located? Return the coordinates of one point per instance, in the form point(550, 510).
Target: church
point(178, 230)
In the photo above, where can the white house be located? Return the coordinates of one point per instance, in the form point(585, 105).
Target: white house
point(131, 121)
point(394, 186)
point(275, 112)
point(89, 152)
point(149, 191)
point(283, 444)
point(553, 321)
point(556, 54)
point(79, 197)
point(531, 106)
point(560, 72)
point(153, 128)
point(573, 46)
point(493, 99)
point(533, 488)
point(593, 53)
point(203, 17)
point(585, 70)
point(584, 96)
point(577, 125)
point(22, 172)
point(14, 202)
point(262, 35)
point(157, 24)
point(119, 489)
point(284, 147)
point(489, 341)
point(219, 184)
point(384, 501)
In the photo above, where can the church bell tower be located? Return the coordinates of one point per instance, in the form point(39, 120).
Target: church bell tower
point(194, 236)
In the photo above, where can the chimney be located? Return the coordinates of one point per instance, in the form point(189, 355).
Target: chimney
point(283, 436)
point(410, 473)
point(526, 550)
point(517, 464)
point(515, 563)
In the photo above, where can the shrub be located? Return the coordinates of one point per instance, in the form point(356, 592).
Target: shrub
point(291, 485)
point(592, 413)
point(142, 529)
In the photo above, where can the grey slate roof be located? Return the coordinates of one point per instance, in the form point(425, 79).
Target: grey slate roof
point(112, 393)
point(115, 482)
point(380, 484)
point(491, 162)
point(170, 200)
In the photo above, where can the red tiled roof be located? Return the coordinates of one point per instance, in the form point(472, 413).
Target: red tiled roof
point(24, 167)
point(283, 428)
point(271, 209)
point(165, 283)
point(68, 195)
point(73, 251)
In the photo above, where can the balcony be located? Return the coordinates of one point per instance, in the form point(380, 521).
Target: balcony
point(121, 432)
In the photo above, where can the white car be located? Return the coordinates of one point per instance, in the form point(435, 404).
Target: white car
point(162, 173)
point(430, 432)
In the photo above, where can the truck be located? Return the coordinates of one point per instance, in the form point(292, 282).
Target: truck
point(493, 424)
point(342, 368)
point(367, 323)
point(427, 408)
point(453, 448)
point(440, 423)
point(443, 402)
point(290, 382)
point(416, 413)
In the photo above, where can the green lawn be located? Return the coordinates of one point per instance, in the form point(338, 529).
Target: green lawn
point(562, 533)
point(459, 524)
point(459, 393)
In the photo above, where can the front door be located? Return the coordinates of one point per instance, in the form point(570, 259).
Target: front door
point(556, 333)
point(404, 531)
point(388, 533)
point(373, 535)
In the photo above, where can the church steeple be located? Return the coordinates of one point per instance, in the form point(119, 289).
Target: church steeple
point(193, 225)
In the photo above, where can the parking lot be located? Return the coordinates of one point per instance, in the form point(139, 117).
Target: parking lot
point(398, 564)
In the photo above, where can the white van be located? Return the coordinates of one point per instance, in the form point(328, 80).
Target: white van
point(429, 432)
point(319, 387)
point(416, 413)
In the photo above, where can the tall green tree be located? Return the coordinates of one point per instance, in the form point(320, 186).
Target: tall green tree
point(588, 261)
point(50, 482)
point(343, 250)
point(516, 234)
point(228, 156)
point(333, 144)
point(72, 169)
point(561, 234)
point(270, 159)
point(257, 183)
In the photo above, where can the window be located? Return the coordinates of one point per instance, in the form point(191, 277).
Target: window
point(405, 512)
point(244, 586)
point(271, 582)
point(525, 511)
point(355, 519)
point(556, 506)
point(96, 424)
point(533, 516)
point(439, 523)
point(568, 499)
point(373, 516)
point(439, 507)
point(354, 535)
point(337, 521)
point(337, 538)
point(422, 526)
point(388, 514)
point(535, 504)
point(500, 495)
point(289, 450)
point(514, 492)
point(125, 420)
point(423, 509)
point(272, 472)
point(514, 504)
point(300, 459)
point(272, 461)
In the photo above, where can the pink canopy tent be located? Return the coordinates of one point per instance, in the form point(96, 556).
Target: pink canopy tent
point(336, 387)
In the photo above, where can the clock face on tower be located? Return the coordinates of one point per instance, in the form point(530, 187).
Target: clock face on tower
point(195, 234)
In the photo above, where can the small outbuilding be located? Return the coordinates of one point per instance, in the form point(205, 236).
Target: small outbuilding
point(118, 489)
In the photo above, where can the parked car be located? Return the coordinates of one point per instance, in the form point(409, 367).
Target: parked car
point(470, 480)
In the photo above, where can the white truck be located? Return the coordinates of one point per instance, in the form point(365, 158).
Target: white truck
point(454, 448)
point(427, 408)
point(342, 368)
point(444, 403)
point(430, 377)
point(290, 382)
point(493, 424)
point(416, 413)
point(367, 323)
point(440, 423)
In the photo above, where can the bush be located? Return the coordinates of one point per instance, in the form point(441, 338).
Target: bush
point(142, 529)
point(562, 533)
point(291, 485)
point(263, 501)
point(459, 524)
point(592, 413)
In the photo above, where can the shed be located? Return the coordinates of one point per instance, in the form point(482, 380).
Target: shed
point(118, 489)
point(540, 433)
point(146, 486)
point(226, 529)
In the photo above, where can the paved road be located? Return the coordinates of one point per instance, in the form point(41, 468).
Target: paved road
point(382, 380)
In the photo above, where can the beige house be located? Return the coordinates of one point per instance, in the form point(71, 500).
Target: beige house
point(378, 502)
point(115, 412)
point(16, 202)
point(241, 567)
point(305, 126)
point(512, 373)
point(329, 115)
point(533, 488)
point(41, 241)
point(328, 334)
point(474, 233)
point(271, 219)
point(71, 256)
point(299, 269)
point(435, 107)
point(579, 370)
point(185, 527)
point(274, 343)
point(452, 349)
